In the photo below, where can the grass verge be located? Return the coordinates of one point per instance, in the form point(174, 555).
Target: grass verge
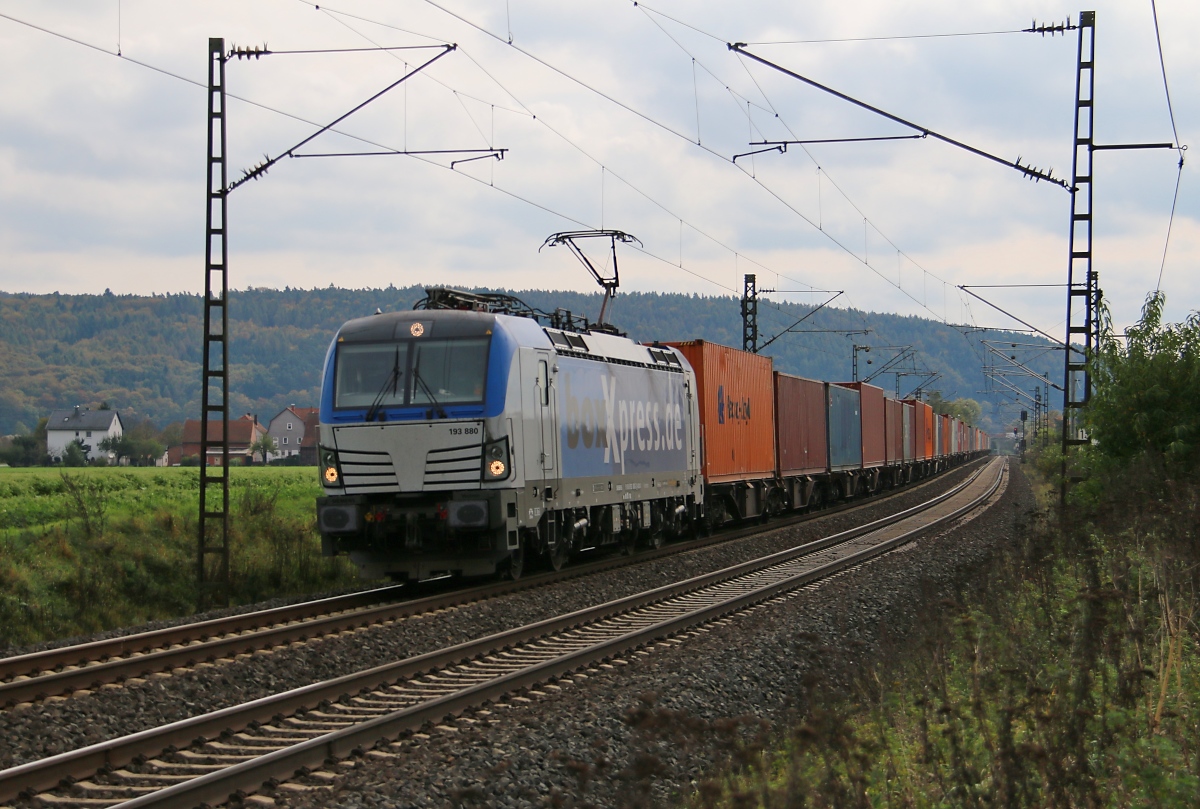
point(87, 550)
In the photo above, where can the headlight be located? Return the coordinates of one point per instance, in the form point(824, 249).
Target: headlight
point(495, 460)
point(331, 474)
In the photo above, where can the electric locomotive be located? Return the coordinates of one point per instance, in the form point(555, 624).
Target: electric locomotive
point(472, 433)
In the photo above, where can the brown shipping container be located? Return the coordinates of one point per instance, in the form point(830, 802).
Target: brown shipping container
point(893, 428)
point(873, 440)
point(800, 426)
point(930, 438)
point(737, 411)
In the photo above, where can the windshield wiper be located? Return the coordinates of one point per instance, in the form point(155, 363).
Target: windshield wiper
point(441, 412)
point(393, 381)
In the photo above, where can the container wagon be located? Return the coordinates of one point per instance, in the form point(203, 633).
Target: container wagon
point(801, 439)
point(735, 390)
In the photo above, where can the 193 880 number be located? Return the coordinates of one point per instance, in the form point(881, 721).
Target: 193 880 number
point(464, 431)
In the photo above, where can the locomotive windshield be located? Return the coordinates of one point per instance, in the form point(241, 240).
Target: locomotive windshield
point(418, 373)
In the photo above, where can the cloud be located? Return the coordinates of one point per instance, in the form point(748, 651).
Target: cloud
point(102, 161)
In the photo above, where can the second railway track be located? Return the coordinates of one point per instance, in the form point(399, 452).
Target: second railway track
point(240, 748)
point(83, 667)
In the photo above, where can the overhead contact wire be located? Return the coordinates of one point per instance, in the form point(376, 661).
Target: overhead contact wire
point(752, 175)
point(582, 151)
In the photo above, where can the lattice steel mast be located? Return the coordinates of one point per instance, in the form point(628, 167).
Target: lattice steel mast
point(214, 504)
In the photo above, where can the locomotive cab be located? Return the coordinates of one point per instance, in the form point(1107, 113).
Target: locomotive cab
point(416, 449)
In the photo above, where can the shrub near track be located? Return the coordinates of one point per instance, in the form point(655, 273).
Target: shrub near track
point(87, 550)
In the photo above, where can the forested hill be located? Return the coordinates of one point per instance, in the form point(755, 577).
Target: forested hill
point(142, 354)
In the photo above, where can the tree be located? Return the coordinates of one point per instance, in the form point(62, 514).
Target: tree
point(264, 445)
point(140, 450)
point(75, 454)
point(172, 434)
point(1147, 394)
point(966, 410)
point(25, 450)
point(112, 445)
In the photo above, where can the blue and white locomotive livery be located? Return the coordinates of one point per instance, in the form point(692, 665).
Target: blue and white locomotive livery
point(463, 441)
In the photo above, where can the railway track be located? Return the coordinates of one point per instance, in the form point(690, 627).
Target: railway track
point(207, 758)
point(83, 668)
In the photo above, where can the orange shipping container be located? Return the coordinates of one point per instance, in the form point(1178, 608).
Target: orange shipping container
point(737, 411)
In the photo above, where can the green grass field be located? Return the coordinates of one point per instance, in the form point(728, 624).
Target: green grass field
point(83, 550)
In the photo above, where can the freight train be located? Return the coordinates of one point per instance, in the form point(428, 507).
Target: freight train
point(472, 434)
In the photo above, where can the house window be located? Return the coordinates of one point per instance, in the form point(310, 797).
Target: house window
point(89, 433)
point(289, 425)
point(285, 438)
point(76, 433)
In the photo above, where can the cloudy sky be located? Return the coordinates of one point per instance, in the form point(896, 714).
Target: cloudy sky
point(614, 114)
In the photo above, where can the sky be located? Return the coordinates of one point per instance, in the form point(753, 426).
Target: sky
point(612, 114)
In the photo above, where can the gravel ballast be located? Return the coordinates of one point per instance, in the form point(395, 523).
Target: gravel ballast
point(31, 732)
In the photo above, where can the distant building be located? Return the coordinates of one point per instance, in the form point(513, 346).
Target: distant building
point(312, 435)
point(288, 430)
point(90, 427)
point(243, 433)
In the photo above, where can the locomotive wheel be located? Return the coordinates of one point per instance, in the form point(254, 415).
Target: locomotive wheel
point(516, 562)
point(559, 555)
point(654, 537)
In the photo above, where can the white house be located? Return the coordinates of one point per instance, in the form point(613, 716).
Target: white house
point(89, 426)
point(287, 430)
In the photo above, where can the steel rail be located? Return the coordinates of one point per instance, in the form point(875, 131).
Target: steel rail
point(63, 670)
point(46, 773)
point(142, 642)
